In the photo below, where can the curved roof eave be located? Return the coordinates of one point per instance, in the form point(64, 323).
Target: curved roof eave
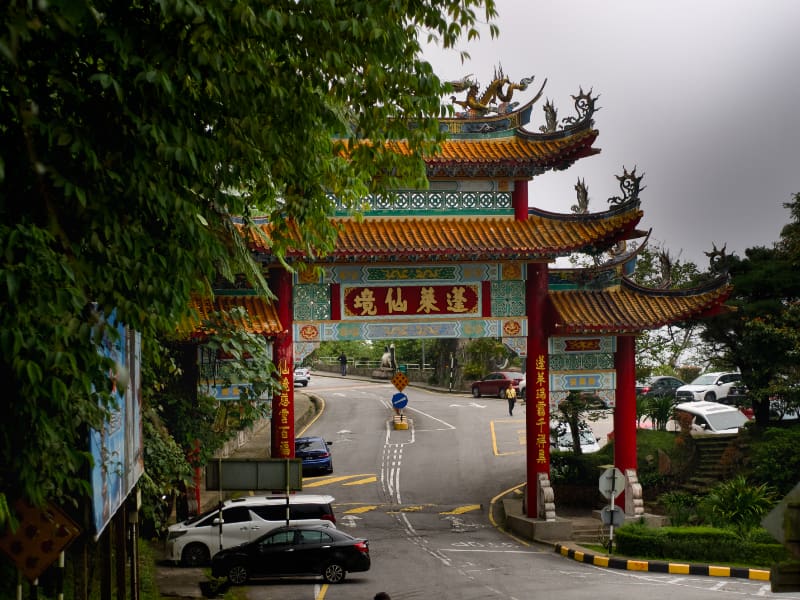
point(464, 239)
point(631, 309)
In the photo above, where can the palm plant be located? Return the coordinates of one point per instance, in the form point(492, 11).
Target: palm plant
point(738, 504)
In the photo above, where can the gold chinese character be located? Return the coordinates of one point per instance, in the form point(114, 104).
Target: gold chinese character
point(456, 301)
point(539, 378)
point(398, 304)
point(366, 302)
point(540, 362)
point(427, 301)
point(283, 448)
point(540, 457)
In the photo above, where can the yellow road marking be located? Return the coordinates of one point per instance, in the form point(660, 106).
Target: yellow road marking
point(318, 482)
point(372, 479)
point(462, 509)
point(495, 449)
point(360, 509)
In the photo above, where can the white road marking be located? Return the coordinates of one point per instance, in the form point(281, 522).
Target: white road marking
point(446, 424)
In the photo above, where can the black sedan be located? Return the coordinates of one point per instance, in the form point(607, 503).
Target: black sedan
point(300, 550)
point(659, 386)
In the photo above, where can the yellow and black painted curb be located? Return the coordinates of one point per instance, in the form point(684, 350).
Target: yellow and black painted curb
point(654, 566)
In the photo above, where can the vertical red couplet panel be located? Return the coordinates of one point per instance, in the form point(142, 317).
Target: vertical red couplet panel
point(282, 438)
point(537, 393)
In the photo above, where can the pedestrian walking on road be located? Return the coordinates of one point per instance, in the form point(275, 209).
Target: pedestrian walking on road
point(343, 363)
point(511, 396)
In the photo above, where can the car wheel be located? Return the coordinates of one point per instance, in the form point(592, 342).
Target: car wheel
point(333, 573)
point(195, 555)
point(238, 575)
point(710, 397)
point(476, 393)
point(501, 393)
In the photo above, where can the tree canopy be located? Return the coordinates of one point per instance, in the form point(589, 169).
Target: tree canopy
point(133, 132)
point(760, 338)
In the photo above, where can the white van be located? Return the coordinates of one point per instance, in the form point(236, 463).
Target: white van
point(194, 541)
point(713, 417)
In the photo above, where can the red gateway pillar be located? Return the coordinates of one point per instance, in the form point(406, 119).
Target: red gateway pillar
point(282, 430)
point(537, 404)
point(625, 410)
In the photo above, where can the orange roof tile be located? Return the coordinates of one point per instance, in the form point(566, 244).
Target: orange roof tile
point(261, 316)
point(512, 148)
point(630, 308)
point(471, 238)
point(518, 155)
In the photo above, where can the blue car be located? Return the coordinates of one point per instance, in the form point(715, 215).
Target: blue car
point(315, 453)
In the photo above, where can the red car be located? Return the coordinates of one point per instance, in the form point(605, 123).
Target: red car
point(495, 384)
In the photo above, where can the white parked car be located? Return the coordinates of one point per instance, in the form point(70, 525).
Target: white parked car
point(195, 541)
point(713, 417)
point(710, 387)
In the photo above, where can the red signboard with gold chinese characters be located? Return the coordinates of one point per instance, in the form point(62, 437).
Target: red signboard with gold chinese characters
point(461, 300)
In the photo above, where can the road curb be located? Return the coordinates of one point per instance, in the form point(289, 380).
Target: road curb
point(654, 566)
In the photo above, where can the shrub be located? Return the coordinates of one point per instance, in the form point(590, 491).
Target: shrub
point(659, 410)
point(679, 506)
point(738, 504)
point(774, 458)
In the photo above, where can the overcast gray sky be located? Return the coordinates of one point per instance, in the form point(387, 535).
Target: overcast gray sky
point(702, 96)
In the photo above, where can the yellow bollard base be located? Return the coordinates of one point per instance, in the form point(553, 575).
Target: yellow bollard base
point(400, 422)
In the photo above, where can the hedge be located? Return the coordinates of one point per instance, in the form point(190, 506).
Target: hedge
point(696, 544)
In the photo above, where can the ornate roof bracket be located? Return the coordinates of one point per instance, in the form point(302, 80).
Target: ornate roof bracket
point(630, 185)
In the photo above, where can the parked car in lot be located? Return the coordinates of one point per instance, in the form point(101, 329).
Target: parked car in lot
point(305, 550)
point(561, 438)
point(496, 383)
point(315, 453)
point(713, 417)
point(302, 375)
point(711, 387)
point(659, 385)
point(194, 541)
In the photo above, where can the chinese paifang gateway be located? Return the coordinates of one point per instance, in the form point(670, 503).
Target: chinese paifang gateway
point(468, 258)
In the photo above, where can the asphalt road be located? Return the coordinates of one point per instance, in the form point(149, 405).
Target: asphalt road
point(422, 498)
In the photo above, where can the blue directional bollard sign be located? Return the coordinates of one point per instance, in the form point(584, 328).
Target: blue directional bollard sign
point(399, 400)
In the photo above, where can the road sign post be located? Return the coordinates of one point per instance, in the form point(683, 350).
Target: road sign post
point(399, 402)
point(611, 485)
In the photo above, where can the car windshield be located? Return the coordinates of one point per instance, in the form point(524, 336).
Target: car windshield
point(308, 445)
point(704, 380)
point(726, 420)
